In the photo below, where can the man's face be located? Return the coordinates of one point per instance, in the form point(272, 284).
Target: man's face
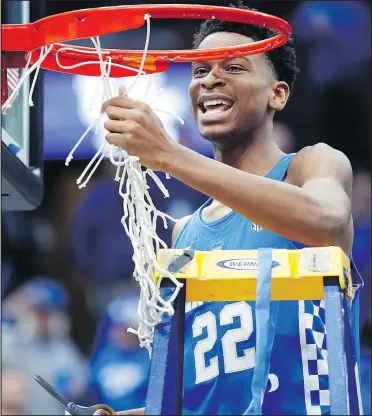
point(230, 98)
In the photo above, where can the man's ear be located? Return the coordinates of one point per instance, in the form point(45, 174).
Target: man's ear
point(279, 96)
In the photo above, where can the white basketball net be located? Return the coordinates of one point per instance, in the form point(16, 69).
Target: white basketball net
point(140, 214)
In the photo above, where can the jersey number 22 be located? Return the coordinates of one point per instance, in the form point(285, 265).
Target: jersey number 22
point(231, 362)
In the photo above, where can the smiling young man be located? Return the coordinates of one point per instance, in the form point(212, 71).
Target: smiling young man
point(259, 197)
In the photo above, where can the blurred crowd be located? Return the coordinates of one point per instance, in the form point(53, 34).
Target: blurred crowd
point(67, 292)
point(36, 341)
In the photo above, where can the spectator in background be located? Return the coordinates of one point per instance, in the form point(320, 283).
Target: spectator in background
point(37, 342)
point(119, 367)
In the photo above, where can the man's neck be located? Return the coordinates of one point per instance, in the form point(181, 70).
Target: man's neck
point(258, 155)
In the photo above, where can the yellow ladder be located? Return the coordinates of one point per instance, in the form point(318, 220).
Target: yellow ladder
point(231, 275)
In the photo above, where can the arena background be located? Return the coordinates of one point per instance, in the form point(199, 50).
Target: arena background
point(75, 238)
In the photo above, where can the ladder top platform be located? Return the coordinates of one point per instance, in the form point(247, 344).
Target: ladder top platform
point(230, 275)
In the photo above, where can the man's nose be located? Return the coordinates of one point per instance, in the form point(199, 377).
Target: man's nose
point(212, 80)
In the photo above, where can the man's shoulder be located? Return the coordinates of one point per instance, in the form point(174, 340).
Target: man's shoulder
point(320, 158)
point(178, 227)
point(319, 149)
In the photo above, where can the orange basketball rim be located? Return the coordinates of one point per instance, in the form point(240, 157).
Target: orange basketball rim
point(18, 40)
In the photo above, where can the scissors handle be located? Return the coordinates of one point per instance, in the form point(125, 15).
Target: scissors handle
point(75, 409)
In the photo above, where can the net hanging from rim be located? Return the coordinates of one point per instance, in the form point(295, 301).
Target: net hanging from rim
point(139, 212)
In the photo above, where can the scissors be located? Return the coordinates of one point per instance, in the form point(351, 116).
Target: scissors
point(71, 407)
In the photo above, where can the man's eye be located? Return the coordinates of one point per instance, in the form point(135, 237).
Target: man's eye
point(199, 72)
point(235, 68)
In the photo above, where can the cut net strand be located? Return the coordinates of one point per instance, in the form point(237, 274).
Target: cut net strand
point(45, 50)
point(140, 215)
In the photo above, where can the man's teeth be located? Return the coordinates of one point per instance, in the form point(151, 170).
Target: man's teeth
point(211, 103)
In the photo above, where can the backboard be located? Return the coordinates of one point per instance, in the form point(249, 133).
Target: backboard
point(21, 133)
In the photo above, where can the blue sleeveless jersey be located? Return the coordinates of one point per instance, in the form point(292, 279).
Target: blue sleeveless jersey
point(220, 337)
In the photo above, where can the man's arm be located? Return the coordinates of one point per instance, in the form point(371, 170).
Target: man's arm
point(314, 208)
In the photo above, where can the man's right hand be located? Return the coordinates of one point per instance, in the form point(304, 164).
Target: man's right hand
point(101, 412)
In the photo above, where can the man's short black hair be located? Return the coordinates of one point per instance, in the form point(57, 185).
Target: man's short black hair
point(282, 60)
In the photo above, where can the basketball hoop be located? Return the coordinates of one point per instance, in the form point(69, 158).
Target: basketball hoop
point(38, 45)
point(87, 23)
